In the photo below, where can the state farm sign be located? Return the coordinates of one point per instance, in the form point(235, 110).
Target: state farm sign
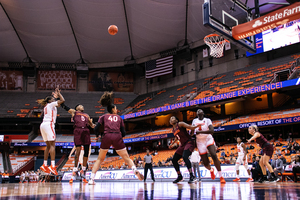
point(269, 21)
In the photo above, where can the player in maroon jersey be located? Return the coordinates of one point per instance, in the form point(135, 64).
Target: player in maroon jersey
point(81, 136)
point(113, 132)
point(187, 146)
point(267, 153)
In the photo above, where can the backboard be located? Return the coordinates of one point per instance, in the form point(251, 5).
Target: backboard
point(221, 15)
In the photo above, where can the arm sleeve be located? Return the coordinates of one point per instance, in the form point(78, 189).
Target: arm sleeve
point(122, 129)
point(96, 129)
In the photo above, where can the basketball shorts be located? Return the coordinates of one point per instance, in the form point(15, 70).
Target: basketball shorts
point(203, 142)
point(82, 136)
point(189, 145)
point(268, 150)
point(112, 139)
point(48, 131)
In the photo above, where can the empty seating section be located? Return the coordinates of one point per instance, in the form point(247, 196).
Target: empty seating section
point(250, 76)
point(20, 104)
point(18, 161)
point(1, 164)
point(264, 116)
point(118, 162)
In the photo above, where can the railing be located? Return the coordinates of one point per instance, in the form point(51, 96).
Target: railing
point(25, 166)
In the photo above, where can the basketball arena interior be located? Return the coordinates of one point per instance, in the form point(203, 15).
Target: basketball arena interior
point(238, 61)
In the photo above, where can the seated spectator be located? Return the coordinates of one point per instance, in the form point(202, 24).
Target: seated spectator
point(227, 154)
point(292, 150)
point(223, 153)
point(222, 161)
point(139, 159)
point(277, 151)
point(296, 146)
point(278, 144)
point(286, 151)
point(280, 139)
point(277, 165)
point(283, 159)
point(298, 152)
point(296, 168)
point(159, 163)
point(256, 170)
point(251, 146)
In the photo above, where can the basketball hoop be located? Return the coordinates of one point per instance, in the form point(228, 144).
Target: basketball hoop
point(216, 44)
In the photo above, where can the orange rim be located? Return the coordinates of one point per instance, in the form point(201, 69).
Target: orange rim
point(212, 35)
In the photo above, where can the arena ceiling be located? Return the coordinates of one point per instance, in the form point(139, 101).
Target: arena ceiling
point(43, 29)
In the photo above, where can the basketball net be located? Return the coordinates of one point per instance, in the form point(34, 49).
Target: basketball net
point(216, 44)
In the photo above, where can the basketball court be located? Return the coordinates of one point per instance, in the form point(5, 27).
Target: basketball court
point(222, 19)
point(149, 190)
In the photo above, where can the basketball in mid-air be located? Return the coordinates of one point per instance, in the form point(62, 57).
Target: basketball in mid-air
point(113, 29)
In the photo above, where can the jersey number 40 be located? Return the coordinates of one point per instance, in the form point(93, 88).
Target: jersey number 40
point(114, 118)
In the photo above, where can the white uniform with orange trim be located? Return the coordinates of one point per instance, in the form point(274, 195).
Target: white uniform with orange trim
point(203, 140)
point(48, 126)
point(239, 160)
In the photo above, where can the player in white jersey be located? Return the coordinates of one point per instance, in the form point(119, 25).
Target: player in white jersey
point(48, 130)
point(242, 159)
point(205, 143)
point(22, 177)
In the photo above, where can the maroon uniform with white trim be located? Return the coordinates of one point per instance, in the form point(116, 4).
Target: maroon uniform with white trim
point(268, 149)
point(81, 130)
point(186, 143)
point(112, 134)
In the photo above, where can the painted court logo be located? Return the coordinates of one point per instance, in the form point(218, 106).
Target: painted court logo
point(257, 23)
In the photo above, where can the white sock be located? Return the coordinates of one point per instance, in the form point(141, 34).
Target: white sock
point(45, 162)
point(75, 169)
point(53, 163)
point(93, 175)
point(133, 168)
point(83, 168)
point(211, 169)
point(237, 176)
point(220, 173)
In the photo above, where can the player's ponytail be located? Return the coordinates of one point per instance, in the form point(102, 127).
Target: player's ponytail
point(43, 102)
point(106, 100)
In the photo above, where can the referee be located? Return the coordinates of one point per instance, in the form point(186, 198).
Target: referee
point(148, 165)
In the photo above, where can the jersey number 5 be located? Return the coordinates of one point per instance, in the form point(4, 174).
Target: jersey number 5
point(114, 118)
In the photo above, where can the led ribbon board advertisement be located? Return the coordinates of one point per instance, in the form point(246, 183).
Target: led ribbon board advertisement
point(229, 95)
point(228, 171)
point(96, 144)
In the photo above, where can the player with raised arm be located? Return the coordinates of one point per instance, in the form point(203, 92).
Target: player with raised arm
point(113, 132)
point(187, 146)
point(47, 128)
point(206, 143)
point(268, 150)
point(81, 137)
point(242, 159)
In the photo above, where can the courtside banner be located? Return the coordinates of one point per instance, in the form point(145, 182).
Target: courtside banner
point(228, 171)
point(229, 95)
point(266, 22)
